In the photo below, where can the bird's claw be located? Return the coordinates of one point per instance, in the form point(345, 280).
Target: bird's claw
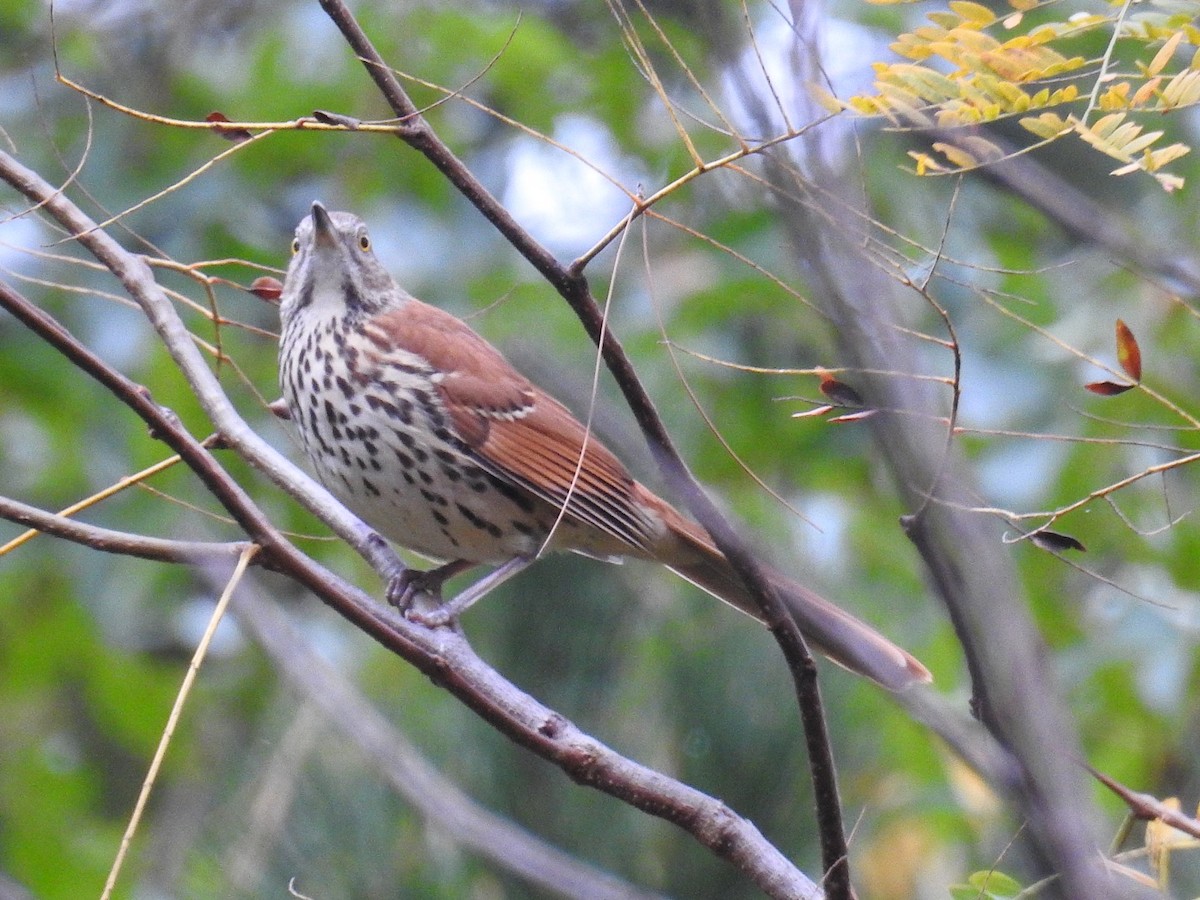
point(409, 584)
point(403, 589)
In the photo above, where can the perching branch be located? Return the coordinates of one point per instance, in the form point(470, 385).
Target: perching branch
point(442, 654)
point(439, 801)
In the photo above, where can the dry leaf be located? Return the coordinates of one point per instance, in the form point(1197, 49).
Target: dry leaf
point(839, 392)
point(1056, 542)
point(237, 135)
point(267, 288)
point(1129, 355)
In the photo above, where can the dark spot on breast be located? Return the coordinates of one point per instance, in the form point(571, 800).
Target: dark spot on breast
point(516, 495)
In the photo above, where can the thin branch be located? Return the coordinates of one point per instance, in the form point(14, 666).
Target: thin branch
point(185, 689)
point(1147, 807)
point(110, 541)
point(95, 498)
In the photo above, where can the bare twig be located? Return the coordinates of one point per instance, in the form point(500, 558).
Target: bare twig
point(121, 542)
point(168, 731)
point(1147, 807)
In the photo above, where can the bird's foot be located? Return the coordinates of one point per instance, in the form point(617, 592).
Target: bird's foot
point(405, 587)
point(448, 613)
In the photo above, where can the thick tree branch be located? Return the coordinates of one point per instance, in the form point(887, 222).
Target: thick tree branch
point(442, 654)
point(969, 566)
point(438, 800)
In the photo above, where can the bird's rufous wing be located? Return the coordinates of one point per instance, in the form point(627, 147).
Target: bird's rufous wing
point(517, 431)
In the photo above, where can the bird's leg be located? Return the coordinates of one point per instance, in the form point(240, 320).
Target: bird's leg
point(404, 586)
point(450, 611)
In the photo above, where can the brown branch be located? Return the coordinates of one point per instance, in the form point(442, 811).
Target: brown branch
point(441, 654)
point(1147, 807)
point(573, 287)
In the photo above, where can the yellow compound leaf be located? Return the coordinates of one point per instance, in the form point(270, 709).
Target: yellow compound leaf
point(1047, 126)
point(825, 99)
point(1163, 56)
point(957, 156)
point(975, 14)
point(944, 19)
point(1137, 145)
point(1182, 90)
point(1116, 97)
point(926, 164)
point(1156, 159)
point(922, 82)
point(1146, 91)
point(1064, 95)
point(1104, 126)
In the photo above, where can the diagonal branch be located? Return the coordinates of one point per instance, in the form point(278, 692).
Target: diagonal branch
point(439, 801)
point(442, 654)
point(573, 287)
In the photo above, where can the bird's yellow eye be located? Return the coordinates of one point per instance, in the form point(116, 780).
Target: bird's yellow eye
point(364, 242)
point(295, 246)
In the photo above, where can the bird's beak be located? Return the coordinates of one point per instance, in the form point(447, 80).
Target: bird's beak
point(324, 234)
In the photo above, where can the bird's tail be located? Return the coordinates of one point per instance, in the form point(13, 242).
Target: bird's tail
point(837, 634)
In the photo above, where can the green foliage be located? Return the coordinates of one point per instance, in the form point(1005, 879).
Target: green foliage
point(92, 649)
point(989, 885)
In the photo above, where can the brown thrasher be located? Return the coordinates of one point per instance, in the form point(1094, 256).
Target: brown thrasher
point(427, 433)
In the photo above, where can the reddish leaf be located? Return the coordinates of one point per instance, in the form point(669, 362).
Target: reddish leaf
point(1129, 355)
point(237, 135)
point(267, 288)
point(839, 392)
point(1107, 388)
point(1056, 542)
